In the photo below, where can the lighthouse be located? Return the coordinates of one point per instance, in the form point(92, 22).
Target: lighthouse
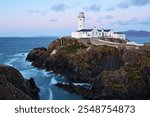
point(84, 33)
point(81, 21)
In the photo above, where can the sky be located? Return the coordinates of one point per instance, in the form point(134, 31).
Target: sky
point(59, 17)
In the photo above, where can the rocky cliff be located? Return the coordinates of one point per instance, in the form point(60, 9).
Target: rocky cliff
point(113, 73)
point(14, 87)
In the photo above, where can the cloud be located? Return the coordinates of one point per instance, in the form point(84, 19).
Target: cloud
point(88, 18)
point(145, 21)
point(33, 11)
point(59, 7)
point(94, 8)
point(124, 4)
point(134, 21)
point(128, 3)
point(110, 9)
point(53, 20)
point(106, 17)
point(140, 2)
point(109, 17)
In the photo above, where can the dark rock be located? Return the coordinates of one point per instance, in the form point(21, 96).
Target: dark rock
point(114, 73)
point(35, 53)
point(14, 87)
point(72, 88)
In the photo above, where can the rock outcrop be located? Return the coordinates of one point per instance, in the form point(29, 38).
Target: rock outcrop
point(113, 73)
point(14, 87)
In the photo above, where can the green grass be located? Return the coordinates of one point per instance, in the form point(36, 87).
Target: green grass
point(72, 46)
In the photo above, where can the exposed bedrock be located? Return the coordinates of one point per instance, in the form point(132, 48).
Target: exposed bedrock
point(113, 73)
point(14, 87)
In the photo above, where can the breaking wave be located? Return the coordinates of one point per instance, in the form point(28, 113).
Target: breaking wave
point(44, 80)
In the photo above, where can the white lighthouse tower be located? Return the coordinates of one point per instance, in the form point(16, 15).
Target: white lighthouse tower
point(81, 21)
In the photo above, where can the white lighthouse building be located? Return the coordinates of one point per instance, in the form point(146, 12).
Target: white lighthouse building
point(81, 21)
point(82, 32)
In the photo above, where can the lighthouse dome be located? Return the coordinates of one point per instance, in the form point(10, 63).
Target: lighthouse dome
point(81, 15)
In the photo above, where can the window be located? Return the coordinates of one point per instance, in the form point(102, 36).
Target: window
point(102, 34)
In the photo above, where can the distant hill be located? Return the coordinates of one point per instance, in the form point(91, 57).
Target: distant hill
point(134, 33)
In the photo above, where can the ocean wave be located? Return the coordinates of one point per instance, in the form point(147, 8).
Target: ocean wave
point(45, 93)
point(81, 84)
point(42, 78)
point(10, 61)
point(50, 94)
point(20, 54)
point(77, 84)
point(45, 80)
point(16, 59)
point(53, 81)
point(1, 54)
point(31, 71)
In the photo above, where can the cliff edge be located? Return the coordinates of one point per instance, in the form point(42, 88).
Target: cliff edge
point(14, 87)
point(112, 73)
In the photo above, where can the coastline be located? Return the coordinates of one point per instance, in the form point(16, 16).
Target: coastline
point(108, 74)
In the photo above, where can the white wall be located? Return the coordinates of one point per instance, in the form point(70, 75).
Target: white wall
point(94, 33)
point(120, 36)
point(81, 35)
point(81, 23)
point(75, 35)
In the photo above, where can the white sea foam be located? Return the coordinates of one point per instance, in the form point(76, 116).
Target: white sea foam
point(134, 43)
point(43, 91)
point(27, 73)
point(43, 79)
point(53, 81)
point(17, 58)
point(77, 84)
point(10, 61)
point(81, 84)
point(45, 73)
point(50, 94)
point(31, 71)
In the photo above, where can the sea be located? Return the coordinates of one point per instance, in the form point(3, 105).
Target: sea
point(139, 40)
point(13, 52)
